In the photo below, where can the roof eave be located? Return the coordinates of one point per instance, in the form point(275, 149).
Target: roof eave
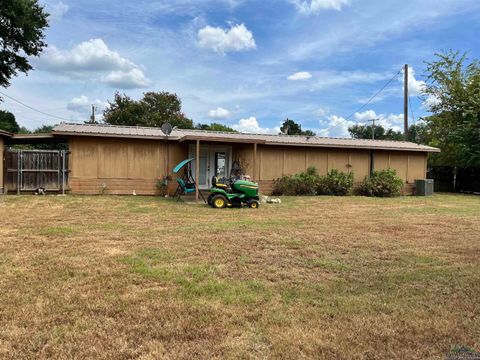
point(221, 139)
point(5, 133)
point(32, 136)
point(343, 146)
point(123, 136)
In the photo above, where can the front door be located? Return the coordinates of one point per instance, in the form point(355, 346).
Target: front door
point(214, 161)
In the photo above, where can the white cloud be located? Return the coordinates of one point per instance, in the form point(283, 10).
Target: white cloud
point(321, 111)
point(88, 56)
point(250, 125)
point(302, 75)
point(237, 38)
point(315, 6)
point(93, 59)
point(83, 105)
point(415, 86)
point(127, 79)
point(337, 126)
point(219, 114)
point(430, 101)
point(58, 10)
point(388, 121)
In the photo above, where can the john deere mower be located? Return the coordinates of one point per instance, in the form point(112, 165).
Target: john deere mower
point(233, 193)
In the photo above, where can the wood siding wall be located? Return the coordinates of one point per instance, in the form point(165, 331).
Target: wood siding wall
point(276, 161)
point(127, 165)
point(2, 163)
point(121, 165)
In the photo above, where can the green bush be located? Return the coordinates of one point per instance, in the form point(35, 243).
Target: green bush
point(310, 183)
point(304, 183)
point(335, 183)
point(383, 183)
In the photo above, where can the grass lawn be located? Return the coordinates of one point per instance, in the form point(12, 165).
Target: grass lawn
point(325, 277)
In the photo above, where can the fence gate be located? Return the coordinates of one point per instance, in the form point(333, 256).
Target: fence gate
point(28, 170)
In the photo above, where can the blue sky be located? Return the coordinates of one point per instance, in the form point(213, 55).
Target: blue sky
point(244, 63)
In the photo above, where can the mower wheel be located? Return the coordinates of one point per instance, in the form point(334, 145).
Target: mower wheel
point(219, 201)
point(254, 204)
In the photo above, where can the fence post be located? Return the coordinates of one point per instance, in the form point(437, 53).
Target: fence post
point(63, 172)
point(19, 171)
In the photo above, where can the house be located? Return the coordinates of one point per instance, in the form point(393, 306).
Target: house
point(3, 135)
point(124, 159)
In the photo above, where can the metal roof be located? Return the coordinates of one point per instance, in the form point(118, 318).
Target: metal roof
point(33, 136)
point(102, 130)
point(5, 133)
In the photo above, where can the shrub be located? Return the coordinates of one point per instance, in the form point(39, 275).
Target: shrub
point(335, 183)
point(304, 183)
point(310, 183)
point(383, 183)
point(162, 185)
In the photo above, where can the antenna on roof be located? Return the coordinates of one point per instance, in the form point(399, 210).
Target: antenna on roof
point(166, 128)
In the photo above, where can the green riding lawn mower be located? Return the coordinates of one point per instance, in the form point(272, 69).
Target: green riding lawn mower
point(233, 193)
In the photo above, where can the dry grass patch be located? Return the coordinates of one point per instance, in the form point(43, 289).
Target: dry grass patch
point(142, 277)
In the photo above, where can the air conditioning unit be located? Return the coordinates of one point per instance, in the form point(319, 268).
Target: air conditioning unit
point(424, 187)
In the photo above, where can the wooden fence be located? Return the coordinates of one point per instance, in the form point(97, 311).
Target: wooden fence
point(29, 170)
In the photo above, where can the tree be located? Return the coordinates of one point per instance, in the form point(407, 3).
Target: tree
point(44, 129)
point(215, 127)
point(22, 26)
point(155, 109)
point(124, 111)
point(365, 132)
point(8, 122)
point(453, 86)
point(419, 133)
point(290, 127)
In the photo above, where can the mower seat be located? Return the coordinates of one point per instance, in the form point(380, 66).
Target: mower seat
point(185, 188)
point(217, 184)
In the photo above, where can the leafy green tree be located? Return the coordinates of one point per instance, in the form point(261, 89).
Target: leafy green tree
point(162, 107)
point(44, 129)
point(124, 111)
point(22, 26)
point(365, 132)
point(155, 109)
point(215, 127)
point(8, 122)
point(308, 133)
point(453, 83)
point(24, 130)
point(419, 133)
point(290, 127)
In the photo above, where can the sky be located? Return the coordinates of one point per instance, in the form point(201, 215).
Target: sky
point(248, 64)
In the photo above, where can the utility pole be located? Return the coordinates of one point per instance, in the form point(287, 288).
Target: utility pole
point(92, 117)
point(373, 128)
point(405, 102)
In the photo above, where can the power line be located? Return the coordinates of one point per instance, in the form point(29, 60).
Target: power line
point(411, 110)
point(36, 110)
point(364, 105)
point(413, 118)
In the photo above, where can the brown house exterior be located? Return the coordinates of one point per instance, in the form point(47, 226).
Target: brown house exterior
point(3, 136)
point(123, 160)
